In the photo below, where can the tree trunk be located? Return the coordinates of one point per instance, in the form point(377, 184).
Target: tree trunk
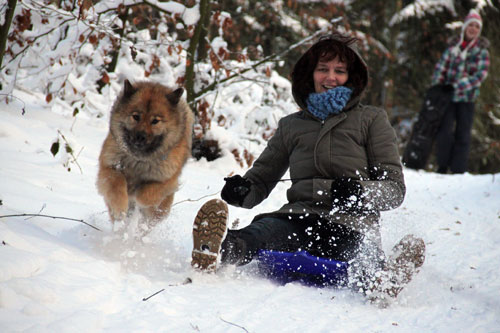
point(202, 44)
point(191, 57)
point(115, 53)
point(111, 67)
point(4, 29)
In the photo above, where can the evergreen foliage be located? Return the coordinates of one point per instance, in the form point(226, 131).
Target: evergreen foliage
point(207, 45)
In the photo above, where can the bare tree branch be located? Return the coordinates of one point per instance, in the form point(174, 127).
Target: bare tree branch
point(212, 86)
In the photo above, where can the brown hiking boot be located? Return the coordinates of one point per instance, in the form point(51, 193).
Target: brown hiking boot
point(408, 255)
point(208, 231)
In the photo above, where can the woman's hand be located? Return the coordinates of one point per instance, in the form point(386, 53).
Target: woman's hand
point(346, 192)
point(235, 190)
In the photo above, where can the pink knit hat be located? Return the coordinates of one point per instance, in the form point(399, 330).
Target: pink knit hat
point(473, 16)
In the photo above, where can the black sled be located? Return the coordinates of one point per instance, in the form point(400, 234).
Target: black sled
point(419, 147)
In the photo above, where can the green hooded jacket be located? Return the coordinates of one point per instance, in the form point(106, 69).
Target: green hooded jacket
point(359, 143)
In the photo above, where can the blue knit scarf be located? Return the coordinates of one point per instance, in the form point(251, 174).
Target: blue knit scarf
point(329, 102)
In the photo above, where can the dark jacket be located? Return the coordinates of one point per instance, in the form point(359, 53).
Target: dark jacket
point(358, 143)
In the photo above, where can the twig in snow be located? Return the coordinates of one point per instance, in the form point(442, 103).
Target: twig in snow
point(52, 217)
point(70, 151)
point(195, 200)
point(12, 96)
point(43, 207)
point(188, 280)
point(156, 293)
point(41, 210)
point(230, 323)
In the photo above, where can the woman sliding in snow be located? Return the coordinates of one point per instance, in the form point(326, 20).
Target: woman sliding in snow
point(345, 168)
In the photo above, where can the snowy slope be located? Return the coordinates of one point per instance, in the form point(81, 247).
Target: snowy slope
point(63, 276)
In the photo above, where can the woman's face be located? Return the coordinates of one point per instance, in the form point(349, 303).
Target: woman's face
point(472, 31)
point(329, 74)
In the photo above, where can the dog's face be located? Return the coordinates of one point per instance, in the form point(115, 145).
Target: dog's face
point(146, 118)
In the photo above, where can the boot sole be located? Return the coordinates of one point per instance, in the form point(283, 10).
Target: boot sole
point(410, 249)
point(408, 257)
point(209, 229)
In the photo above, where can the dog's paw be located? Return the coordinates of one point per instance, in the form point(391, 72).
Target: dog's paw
point(117, 215)
point(118, 208)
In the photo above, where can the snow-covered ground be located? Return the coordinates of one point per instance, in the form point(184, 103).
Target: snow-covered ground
point(63, 276)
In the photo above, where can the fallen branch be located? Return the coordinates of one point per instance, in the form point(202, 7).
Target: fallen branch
point(52, 217)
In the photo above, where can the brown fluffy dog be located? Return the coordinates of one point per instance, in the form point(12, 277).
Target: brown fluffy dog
point(142, 157)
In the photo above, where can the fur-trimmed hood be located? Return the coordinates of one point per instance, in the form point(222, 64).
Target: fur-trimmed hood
point(363, 68)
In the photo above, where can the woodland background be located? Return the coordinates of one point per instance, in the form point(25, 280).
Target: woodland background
point(63, 64)
point(77, 53)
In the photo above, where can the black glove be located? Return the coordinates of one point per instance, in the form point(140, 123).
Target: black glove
point(448, 88)
point(346, 193)
point(235, 190)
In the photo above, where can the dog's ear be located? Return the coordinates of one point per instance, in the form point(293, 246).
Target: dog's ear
point(128, 89)
point(175, 96)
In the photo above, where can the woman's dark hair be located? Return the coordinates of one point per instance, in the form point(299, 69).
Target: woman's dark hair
point(327, 48)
